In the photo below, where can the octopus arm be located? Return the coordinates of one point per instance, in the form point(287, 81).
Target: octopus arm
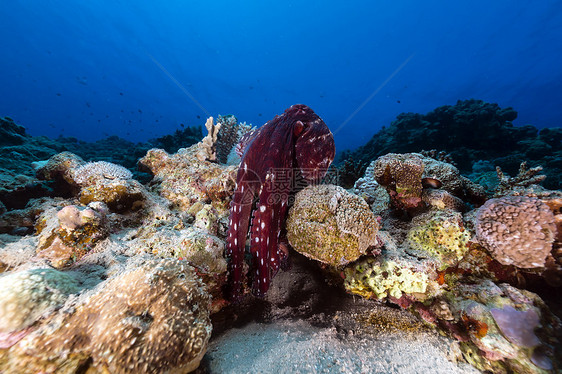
point(240, 211)
point(264, 239)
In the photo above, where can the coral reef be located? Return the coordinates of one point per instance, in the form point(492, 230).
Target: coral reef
point(179, 139)
point(100, 273)
point(469, 131)
point(331, 225)
point(516, 230)
point(10, 132)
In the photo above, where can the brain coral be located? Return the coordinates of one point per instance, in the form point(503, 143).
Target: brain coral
point(331, 225)
point(152, 318)
point(516, 230)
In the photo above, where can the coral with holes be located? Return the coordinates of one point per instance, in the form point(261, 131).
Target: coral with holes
point(184, 179)
point(331, 225)
point(153, 317)
point(516, 230)
point(441, 236)
point(401, 175)
point(385, 277)
point(28, 294)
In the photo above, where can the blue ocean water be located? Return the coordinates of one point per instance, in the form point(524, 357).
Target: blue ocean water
point(138, 69)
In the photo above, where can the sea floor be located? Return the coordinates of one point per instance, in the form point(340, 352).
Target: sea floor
point(303, 326)
point(300, 347)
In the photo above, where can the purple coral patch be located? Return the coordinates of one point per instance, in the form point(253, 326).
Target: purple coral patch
point(517, 326)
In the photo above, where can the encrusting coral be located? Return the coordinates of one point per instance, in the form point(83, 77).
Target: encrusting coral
point(517, 230)
point(73, 233)
point(27, 294)
point(331, 225)
point(151, 318)
point(440, 235)
point(184, 179)
point(503, 322)
point(388, 277)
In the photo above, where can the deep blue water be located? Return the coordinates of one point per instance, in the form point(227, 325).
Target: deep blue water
point(140, 68)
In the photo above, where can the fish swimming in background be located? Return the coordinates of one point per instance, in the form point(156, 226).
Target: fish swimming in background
point(296, 142)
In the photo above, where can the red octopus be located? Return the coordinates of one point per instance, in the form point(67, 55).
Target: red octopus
point(295, 143)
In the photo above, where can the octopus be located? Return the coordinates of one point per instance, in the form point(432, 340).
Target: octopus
point(291, 148)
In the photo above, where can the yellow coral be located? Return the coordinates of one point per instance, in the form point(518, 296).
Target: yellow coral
point(331, 225)
point(440, 235)
point(380, 278)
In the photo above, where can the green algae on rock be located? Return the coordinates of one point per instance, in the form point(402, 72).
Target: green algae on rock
point(331, 225)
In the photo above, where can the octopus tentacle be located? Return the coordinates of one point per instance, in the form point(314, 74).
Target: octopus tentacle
point(240, 209)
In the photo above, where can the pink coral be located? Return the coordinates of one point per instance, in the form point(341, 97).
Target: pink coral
point(517, 230)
